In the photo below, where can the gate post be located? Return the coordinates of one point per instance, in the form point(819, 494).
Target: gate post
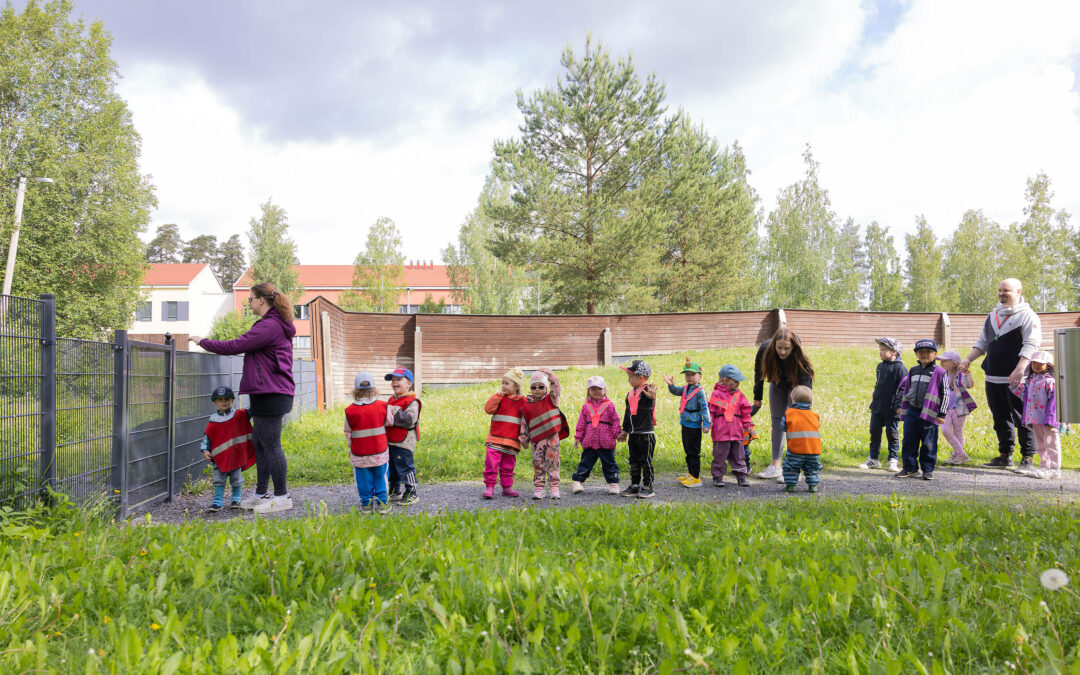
point(120, 423)
point(48, 391)
point(170, 416)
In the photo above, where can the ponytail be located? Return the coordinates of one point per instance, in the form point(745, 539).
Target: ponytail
point(281, 302)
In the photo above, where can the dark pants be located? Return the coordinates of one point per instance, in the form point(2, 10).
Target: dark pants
point(588, 461)
point(691, 445)
point(891, 424)
point(641, 447)
point(724, 452)
point(270, 461)
point(402, 469)
point(920, 443)
point(808, 465)
point(1008, 410)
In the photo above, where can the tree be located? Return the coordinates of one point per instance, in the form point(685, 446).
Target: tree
point(378, 272)
point(61, 117)
point(883, 262)
point(272, 251)
point(232, 325)
point(166, 246)
point(848, 269)
point(973, 263)
point(429, 306)
point(201, 249)
point(923, 270)
point(1035, 244)
point(230, 262)
point(585, 148)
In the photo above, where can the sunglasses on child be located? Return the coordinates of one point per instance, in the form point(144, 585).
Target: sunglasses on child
point(537, 386)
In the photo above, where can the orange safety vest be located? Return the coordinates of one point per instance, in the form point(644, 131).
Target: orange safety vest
point(398, 434)
point(506, 422)
point(633, 397)
point(728, 407)
point(367, 428)
point(230, 442)
point(544, 419)
point(595, 413)
point(803, 435)
point(687, 397)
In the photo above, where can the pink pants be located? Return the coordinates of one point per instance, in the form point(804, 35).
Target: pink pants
point(546, 463)
point(953, 429)
point(498, 464)
point(1048, 445)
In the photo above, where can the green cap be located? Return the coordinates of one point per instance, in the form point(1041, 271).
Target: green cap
point(692, 367)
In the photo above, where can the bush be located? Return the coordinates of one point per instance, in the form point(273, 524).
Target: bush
point(232, 325)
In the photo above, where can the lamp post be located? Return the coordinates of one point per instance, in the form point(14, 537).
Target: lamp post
point(9, 272)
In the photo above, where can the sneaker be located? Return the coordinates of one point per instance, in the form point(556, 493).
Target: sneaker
point(214, 508)
point(718, 482)
point(510, 492)
point(771, 472)
point(646, 492)
point(382, 508)
point(395, 494)
point(409, 497)
point(869, 464)
point(812, 488)
point(1045, 473)
point(555, 493)
point(274, 504)
point(683, 478)
point(631, 491)
point(613, 488)
point(252, 500)
point(692, 483)
point(576, 487)
point(1000, 462)
point(928, 475)
point(1026, 468)
point(489, 492)
point(538, 493)
point(907, 474)
point(741, 480)
point(957, 459)
point(894, 465)
point(789, 488)
point(780, 479)
point(365, 509)
point(235, 504)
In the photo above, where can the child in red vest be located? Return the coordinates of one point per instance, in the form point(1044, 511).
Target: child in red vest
point(402, 436)
point(502, 445)
point(803, 429)
point(730, 412)
point(226, 444)
point(543, 425)
point(365, 431)
point(639, 429)
point(596, 434)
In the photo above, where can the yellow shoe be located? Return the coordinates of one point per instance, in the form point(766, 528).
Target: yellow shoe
point(692, 482)
point(682, 479)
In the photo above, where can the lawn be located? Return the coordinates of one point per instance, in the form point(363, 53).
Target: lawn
point(454, 424)
point(885, 586)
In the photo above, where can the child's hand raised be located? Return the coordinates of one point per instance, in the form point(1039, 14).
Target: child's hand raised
point(669, 380)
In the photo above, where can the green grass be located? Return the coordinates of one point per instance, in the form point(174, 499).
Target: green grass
point(454, 424)
point(885, 586)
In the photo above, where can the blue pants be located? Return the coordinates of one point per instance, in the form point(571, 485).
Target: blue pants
point(809, 465)
point(891, 425)
point(371, 483)
point(920, 443)
point(234, 478)
point(588, 461)
point(402, 469)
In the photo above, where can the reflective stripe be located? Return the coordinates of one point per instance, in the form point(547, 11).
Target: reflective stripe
point(506, 418)
point(920, 378)
point(803, 434)
point(548, 425)
point(554, 412)
point(229, 443)
point(366, 433)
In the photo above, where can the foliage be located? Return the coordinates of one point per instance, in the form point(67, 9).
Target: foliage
point(576, 212)
point(201, 249)
point(883, 270)
point(429, 306)
point(232, 324)
point(973, 265)
point(378, 272)
point(923, 269)
point(166, 246)
point(1037, 241)
point(273, 253)
point(61, 117)
point(230, 263)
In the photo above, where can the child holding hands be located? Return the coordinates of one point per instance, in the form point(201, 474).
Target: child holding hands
point(1040, 413)
point(226, 444)
point(961, 404)
point(596, 434)
point(639, 429)
point(544, 425)
point(730, 410)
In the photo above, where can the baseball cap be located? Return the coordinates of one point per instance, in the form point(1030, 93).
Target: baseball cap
point(925, 344)
point(222, 392)
point(400, 372)
point(638, 367)
point(889, 343)
point(364, 381)
point(595, 381)
point(692, 367)
point(733, 372)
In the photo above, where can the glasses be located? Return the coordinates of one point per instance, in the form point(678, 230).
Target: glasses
point(537, 386)
point(253, 299)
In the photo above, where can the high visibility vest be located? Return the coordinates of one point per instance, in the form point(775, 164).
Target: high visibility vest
point(729, 405)
point(506, 422)
point(803, 435)
point(687, 396)
point(596, 412)
point(367, 430)
point(398, 434)
point(230, 442)
point(544, 419)
point(633, 397)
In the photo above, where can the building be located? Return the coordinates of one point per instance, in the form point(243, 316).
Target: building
point(422, 279)
point(184, 299)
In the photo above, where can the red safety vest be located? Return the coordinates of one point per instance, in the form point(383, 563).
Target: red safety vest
point(367, 430)
point(687, 397)
point(230, 442)
point(544, 419)
point(398, 434)
point(632, 398)
point(728, 407)
point(803, 435)
point(595, 413)
point(506, 422)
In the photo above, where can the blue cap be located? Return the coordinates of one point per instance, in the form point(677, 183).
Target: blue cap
point(363, 381)
point(925, 344)
point(733, 372)
point(400, 372)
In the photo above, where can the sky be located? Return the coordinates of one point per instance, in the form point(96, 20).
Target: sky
point(343, 111)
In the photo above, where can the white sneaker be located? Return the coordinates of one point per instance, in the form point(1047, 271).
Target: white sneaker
point(771, 472)
point(781, 481)
point(576, 487)
point(1047, 474)
point(274, 504)
point(613, 488)
point(251, 501)
point(869, 464)
point(894, 465)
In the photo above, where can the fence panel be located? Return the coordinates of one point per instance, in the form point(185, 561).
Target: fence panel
point(85, 402)
point(21, 407)
point(149, 408)
point(305, 398)
point(197, 375)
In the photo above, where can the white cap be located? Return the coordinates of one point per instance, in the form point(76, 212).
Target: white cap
point(595, 381)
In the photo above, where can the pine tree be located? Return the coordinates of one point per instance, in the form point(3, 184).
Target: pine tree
point(201, 249)
point(378, 272)
point(273, 253)
point(884, 276)
point(230, 262)
point(923, 269)
point(166, 246)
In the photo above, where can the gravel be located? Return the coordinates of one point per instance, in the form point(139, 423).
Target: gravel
point(438, 498)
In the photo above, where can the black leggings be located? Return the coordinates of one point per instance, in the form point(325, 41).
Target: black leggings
point(269, 457)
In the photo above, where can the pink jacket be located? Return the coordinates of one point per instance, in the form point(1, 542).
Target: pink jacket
point(722, 428)
point(604, 435)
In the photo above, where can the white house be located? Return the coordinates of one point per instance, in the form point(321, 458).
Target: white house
point(184, 299)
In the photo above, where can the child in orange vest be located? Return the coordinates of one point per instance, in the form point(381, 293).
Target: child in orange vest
point(803, 430)
point(544, 425)
point(402, 436)
point(502, 445)
point(365, 431)
point(730, 412)
point(597, 433)
point(226, 444)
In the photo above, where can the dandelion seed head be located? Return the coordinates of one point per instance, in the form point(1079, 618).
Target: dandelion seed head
point(1053, 579)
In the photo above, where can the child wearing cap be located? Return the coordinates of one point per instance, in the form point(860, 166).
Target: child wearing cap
point(803, 428)
point(226, 444)
point(1038, 394)
point(544, 425)
point(402, 436)
point(730, 411)
point(596, 434)
point(638, 429)
point(890, 371)
point(961, 404)
point(693, 418)
point(502, 445)
point(923, 403)
point(365, 431)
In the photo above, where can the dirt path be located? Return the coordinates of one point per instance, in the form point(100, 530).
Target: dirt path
point(965, 483)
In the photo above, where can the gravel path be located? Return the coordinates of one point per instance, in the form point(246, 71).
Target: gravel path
point(970, 483)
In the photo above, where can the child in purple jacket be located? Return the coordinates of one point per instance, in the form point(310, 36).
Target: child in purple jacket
point(924, 403)
point(598, 429)
point(1040, 413)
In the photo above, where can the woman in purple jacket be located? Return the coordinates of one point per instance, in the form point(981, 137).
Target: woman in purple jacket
point(268, 382)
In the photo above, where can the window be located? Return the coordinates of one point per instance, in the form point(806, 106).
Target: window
point(172, 310)
point(302, 342)
point(145, 311)
point(301, 312)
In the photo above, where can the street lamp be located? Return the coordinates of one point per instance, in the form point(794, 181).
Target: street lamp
point(9, 272)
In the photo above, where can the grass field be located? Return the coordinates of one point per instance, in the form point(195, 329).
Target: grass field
point(886, 586)
point(454, 424)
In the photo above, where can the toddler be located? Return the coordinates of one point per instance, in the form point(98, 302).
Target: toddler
point(502, 445)
point(961, 404)
point(226, 444)
point(543, 425)
point(1038, 393)
point(365, 431)
point(693, 418)
point(890, 371)
point(803, 428)
point(730, 411)
point(638, 429)
point(924, 403)
point(596, 434)
point(402, 436)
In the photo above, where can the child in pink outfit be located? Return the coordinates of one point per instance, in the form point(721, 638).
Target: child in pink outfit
point(540, 416)
point(1040, 413)
point(597, 433)
point(502, 445)
point(961, 404)
point(730, 411)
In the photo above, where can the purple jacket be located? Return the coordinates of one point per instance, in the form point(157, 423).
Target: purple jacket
point(1040, 399)
point(936, 403)
point(268, 356)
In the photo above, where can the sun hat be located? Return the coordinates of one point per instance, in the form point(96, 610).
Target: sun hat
point(595, 381)
point(363, 381)
point(516, 376)
point(733, 372)
point(1042, 356)
point(538, 376)
point(638, 367)
point(400, 372)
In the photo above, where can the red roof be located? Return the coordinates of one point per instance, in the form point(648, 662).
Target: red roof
point(172, 274)
point(417, 275)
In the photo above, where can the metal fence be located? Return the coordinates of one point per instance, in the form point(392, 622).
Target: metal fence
point(123, 419)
